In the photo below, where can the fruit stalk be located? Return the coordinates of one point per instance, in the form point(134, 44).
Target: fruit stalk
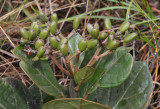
point(93, 58)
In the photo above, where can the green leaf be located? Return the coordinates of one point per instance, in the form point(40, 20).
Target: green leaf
point(39, 95)
point(112, 70)
point(73, 103)
point(132, 94)
point(84, 74)
point(73, 47)
point(14, 95)
point(42, 97)
point(40, 72)
point(103, 64)
point(40, 75)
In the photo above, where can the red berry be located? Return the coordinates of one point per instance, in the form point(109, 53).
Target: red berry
point(29, 53)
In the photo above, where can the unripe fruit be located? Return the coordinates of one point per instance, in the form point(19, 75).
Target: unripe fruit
point(89, 27)
point(53, 42)
point(94, 32)
point(35, 27)
point(43, 16)
point(76, 22)
point(41, 51)
point(82, 45)
point(107, 23)
point(44, 33)
point(92, 43)
point(110, 37)
point(130, 37)
point(102, 36)
point(39, 43)
point(54, 17)
point(35, 58)
point(32, 34)
point(96, 25)
point(24, 33)
point(112, 32)
point(44, 58)
point(23, 41)
point(124, 26)
point(53, 27)
point(64, 49)
point(62, 41)
point(112, 45)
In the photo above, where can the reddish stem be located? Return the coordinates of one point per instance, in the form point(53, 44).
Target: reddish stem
point(59, 65)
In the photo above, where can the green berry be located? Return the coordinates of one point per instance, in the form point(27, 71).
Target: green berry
point(35, 27)
point(64, 49)
point(32, 34)
point(110, 37)
point(76, 22)
point(53, 27)
point(89, 27)
point(94, 32)
point(102, 36)
point(107, 23)
point(35, 58)
point(112, 45)
point(112, 32)
point(92, 43)
point(44, 33)
point(43, 16)
point(124, 26)
point(44, 58)
point(82, 45)
point(41, 51)
point(62, 41)
point(96, 25)
point(54, 17)
point(130, 37)
point(53, 42)
point(24, 33)
point(23, 41)
point(39, 43)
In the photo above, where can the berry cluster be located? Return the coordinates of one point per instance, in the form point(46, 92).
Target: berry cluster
point(100, 37)
point(40, 36)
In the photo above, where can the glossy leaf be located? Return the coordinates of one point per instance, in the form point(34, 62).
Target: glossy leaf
point(84, 74)
point(73, 46)
point(40, 72)
point(14, 95)
point(73, 103)
point(132, 94)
